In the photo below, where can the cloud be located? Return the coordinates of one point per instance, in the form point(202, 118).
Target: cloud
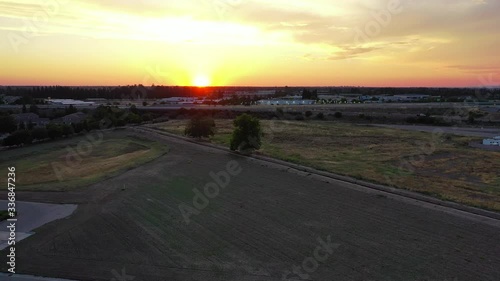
point(352, 52)
point(459, 36)
point(477, 69)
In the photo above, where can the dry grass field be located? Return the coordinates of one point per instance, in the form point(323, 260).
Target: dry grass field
point(436, 164)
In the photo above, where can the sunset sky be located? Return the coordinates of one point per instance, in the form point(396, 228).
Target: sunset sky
point(250, 42)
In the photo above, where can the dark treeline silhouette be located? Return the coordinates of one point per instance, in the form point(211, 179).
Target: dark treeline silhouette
point(120, 92)
point(308, 95)
point(156, 92)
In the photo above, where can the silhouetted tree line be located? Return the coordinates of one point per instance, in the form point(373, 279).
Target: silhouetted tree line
point(137, 92)
point(7, 123)
point(481, 93)
point(122, 92)
point(104, 117)
point(309, 94)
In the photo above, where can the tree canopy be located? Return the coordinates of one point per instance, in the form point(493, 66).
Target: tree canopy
point(247, 133)
point(7, 124)
point(200, 126)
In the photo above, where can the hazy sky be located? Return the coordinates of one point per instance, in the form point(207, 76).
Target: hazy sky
point(250, 42)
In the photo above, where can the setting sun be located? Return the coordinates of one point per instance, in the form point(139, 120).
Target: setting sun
point(201, 81)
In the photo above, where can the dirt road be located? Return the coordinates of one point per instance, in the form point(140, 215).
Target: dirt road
point(266, 222)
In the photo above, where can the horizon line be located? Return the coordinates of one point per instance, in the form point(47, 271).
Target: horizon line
point(247, 86)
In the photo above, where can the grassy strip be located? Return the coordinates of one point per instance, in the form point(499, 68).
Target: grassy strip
point(68, 165)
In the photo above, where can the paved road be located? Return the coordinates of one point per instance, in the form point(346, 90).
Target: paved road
point(19, 277)
point(267, 221)
point(31, 216)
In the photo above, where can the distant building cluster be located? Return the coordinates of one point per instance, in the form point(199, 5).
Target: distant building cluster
point(284, 101)
point(394, 98)
point(33, 120)
point(251, 93)
point(30, 119)
point(182, 100)
point(323, 98)
point(73, 118)
point(68, 102)
point(9, 99)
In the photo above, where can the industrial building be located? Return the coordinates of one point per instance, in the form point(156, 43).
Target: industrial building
point(68, 102)
point(286, 102)
point(494, 141)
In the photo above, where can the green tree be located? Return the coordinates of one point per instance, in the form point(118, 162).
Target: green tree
point(134, 109)
point(18, 138)
point(134, 118)
point(200, 126)
point(7, 124)
point(247, 133)
point(471, 118)
point(102, 112)
point(148, 117)
point(67, 130)
point(54, 131)
point(70, 110)
point(280, 112)
point(40, 134)
point(78, 127)
point(34, 109)
point(299, 117)
point(309, 95)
